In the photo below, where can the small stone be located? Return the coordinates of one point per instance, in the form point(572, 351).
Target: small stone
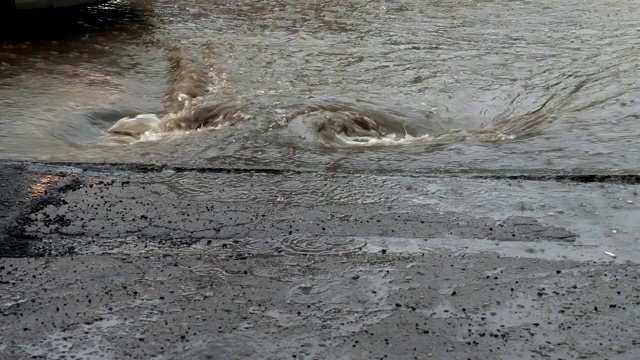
point(355, 277)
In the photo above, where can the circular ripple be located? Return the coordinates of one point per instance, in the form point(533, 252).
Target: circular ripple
point(295, 245)
point(292, 245)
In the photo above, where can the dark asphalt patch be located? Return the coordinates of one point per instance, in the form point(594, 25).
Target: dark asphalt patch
point(104, 211)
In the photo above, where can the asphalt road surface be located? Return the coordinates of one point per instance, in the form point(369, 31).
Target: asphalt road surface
point(121, 262)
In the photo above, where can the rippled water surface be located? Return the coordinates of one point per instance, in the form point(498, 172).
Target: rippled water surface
point(337, 85)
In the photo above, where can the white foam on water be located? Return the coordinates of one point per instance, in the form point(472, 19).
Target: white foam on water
point(496, 136)
point(151, 136)
point(137, 125)
point(387, 140)
point(395, 139)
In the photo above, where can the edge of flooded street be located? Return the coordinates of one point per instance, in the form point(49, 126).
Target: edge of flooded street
point(138, 261)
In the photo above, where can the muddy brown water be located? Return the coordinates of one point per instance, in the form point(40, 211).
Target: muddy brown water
point(452, 84)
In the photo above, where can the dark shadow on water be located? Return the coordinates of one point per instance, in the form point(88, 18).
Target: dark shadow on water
point(22, 26)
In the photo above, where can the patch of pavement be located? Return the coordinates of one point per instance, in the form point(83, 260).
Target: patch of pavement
point(75, 212)
point(104, 262)
point(360, 306)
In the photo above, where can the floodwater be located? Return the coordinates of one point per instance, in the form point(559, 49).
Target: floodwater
point(398, 86)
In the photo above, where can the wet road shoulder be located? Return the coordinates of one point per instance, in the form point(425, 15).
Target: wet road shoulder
point(232, 264)
point(72, 209)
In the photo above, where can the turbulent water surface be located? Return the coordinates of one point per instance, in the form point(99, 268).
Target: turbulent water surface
point(397, 86)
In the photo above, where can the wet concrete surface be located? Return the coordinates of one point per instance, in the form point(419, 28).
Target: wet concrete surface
point(106, 261)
